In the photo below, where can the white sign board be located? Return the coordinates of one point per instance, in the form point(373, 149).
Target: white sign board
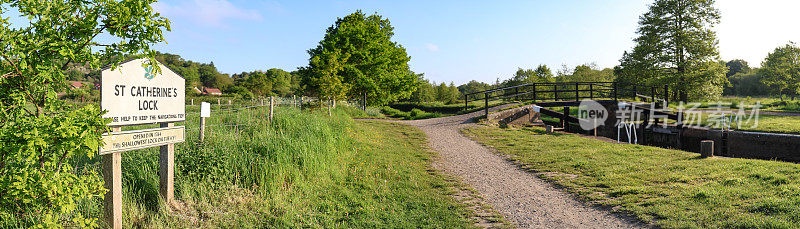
point(140, 139)
point(205, 110)
point(133, 94)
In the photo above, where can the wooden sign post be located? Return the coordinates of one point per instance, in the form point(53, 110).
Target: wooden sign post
point(134, 94)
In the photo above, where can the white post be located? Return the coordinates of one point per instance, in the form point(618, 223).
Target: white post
point(271, 107)
point(205, 111)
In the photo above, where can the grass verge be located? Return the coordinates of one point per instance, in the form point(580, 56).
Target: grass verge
point(302, 170)
point(668, 188)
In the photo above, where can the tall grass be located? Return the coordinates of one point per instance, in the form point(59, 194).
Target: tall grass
point(302, 170)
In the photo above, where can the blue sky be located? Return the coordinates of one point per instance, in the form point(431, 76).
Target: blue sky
point(455, 40)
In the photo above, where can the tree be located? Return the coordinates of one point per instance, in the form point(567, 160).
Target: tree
point(781, 69)
point(258, 83)
point(425, 91)
point(677, 46)
point(543, 74)
point(281, 81)
point(737, 66)
point(40, 135)
point(357, 53)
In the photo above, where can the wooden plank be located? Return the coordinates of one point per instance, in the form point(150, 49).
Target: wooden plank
point(140, 139)
point(112, 178)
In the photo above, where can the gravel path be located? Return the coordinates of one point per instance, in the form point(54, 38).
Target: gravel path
point(524, 199)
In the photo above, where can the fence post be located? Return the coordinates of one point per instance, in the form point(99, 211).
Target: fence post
point(564, 122)
point(555, 92)
point(614, 84)
point(202, 128)
point(486, 104)
point(653, 95)
point(365, 102)
point(466, 103)
point(666, 95)
point(534, 92)
point(577, 94)
point(271, 107)
point(707, 148)
point(205, 111)
point(591, 91)
point(301, 102)
point(192, 102)
point(219, 104)
point(166, 169)
point(112, 176)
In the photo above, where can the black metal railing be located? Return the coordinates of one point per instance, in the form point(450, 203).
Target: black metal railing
point(570, 91)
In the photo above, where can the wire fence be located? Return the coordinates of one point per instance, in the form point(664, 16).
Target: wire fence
point(227, 113)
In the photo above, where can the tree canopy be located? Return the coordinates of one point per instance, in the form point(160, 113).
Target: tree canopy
point(781, 69)
point(737, 66)
point(677, 46)
point(40, 134)
point(358, 56)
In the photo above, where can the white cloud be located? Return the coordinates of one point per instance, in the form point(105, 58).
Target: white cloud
point(214, 13)
point(432, 47)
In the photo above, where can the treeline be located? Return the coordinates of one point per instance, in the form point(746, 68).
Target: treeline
point(429, 91)
point(272, 82)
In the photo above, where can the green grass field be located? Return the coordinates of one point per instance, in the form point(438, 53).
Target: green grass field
point(668, 188)
point(303, 170)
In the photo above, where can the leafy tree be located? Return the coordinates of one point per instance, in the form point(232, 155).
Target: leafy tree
point(74, 75)
point(737, 66)
point(281, 81)
point(425, 92)
point(543, 74)
point(586, 73)
point(781, 69)
point(357, 53)
point(676, 46)
point(473, 86)
point(206, 73)
point(41, 136)
point(747, 84)
point(258, 83)
point(220, 81)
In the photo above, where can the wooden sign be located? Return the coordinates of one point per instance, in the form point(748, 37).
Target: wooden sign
point(133, 94)
point(140, 139)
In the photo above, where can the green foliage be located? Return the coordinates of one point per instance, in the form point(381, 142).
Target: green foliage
point(357, 56)
point(541, 74)
point(737, 66)
point(677, 47)
point(272, 82)
point(40, 135)
point(474, 86)
point(585, 73)
point(414, 114)
point(747, 84)
point(781, 69)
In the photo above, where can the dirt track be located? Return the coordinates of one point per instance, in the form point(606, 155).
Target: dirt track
point(524, 199)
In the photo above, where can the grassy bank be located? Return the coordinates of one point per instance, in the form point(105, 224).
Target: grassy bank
point(414, 111)
point(303, 170)
point(669, 188)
